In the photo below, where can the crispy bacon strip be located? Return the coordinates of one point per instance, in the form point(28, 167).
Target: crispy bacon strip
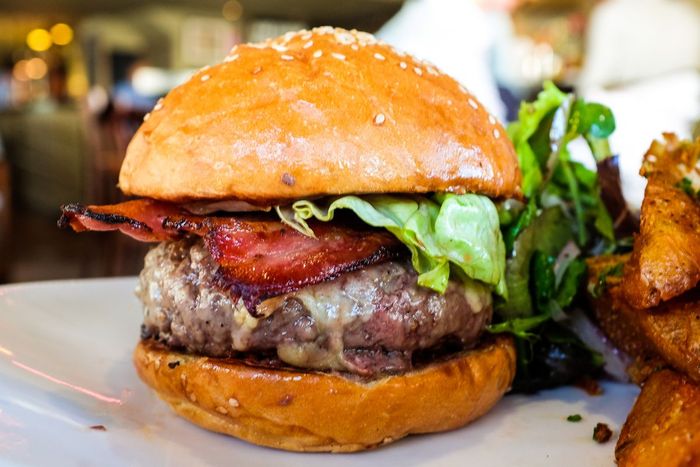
point(258, 259)
point(262, 259)
point(141, 219)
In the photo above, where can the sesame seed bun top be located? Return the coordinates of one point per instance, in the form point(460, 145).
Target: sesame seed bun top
point(314, 113)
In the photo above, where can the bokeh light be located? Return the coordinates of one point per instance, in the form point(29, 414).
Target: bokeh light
point(77, 85)
point(39, 40)
point(61, 34)
point(36, 68)
point(232, 10)
point(19, 71)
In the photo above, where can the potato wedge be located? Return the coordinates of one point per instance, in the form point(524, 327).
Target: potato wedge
point(666, 258)
point(663, 428)
point(604, 278)
point(670, 331)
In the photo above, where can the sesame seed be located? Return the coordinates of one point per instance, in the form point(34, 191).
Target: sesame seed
point(222, 410)
point(403, 65)
point(257, 70)
point(233, 402)
point(306, 36)
point(473, 103)
point(317, 54)
point(193, 397)
point(379, 56)
point(379, 119)
point(279, 48)
point(287, 58)
point(231, 58)
point(355, 47)
point(344, 38)
point(204, 68)
point(205, 78)
point(492, 120)
point(146, 117)
point(338, 56)
point(308, 44)
point(651, 158)
point(324, 30)
point(366, 37)
point(432, 70)
point(297, 378)
point(418, 71)
point(496, 133)
point(463, 90)
point(159, 105)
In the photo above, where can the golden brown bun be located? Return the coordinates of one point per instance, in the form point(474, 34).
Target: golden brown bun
point(310, 411)
point(322, 112)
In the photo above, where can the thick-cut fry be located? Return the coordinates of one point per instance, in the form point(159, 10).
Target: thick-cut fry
point(663, 428)
point(670, 331)
point(666, 258)
point(673, 329)
point(603, 277)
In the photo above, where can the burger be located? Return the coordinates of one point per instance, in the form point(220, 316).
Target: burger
point(326, 245)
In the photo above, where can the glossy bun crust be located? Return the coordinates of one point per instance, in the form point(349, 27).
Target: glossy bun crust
point(311, 411)
point(322, 112)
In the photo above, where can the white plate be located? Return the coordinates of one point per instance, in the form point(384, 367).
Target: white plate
point(65, 365)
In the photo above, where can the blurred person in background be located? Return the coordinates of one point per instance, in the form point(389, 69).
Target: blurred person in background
point(123, 115)
point(456, 36)
point(643, 60)
point(5, 83)
point(126, 96)
point(58, 79)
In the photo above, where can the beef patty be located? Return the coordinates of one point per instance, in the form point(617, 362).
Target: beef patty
point(365, 322)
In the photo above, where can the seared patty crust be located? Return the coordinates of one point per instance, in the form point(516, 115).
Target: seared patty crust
point(366, 322)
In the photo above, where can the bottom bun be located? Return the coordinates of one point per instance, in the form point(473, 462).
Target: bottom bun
point(313, 411)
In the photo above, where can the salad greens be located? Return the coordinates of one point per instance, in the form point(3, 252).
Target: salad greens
point(563, 219)
point(596, 290)
point(687, 186)
point(445, 233)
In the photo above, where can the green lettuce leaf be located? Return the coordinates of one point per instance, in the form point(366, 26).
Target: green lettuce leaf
point(447, 230)
point(530, 116)
point(596, 123)
point(547, 233)
point(571, 282)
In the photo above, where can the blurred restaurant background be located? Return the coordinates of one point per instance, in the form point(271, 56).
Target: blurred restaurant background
point(77, 78)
